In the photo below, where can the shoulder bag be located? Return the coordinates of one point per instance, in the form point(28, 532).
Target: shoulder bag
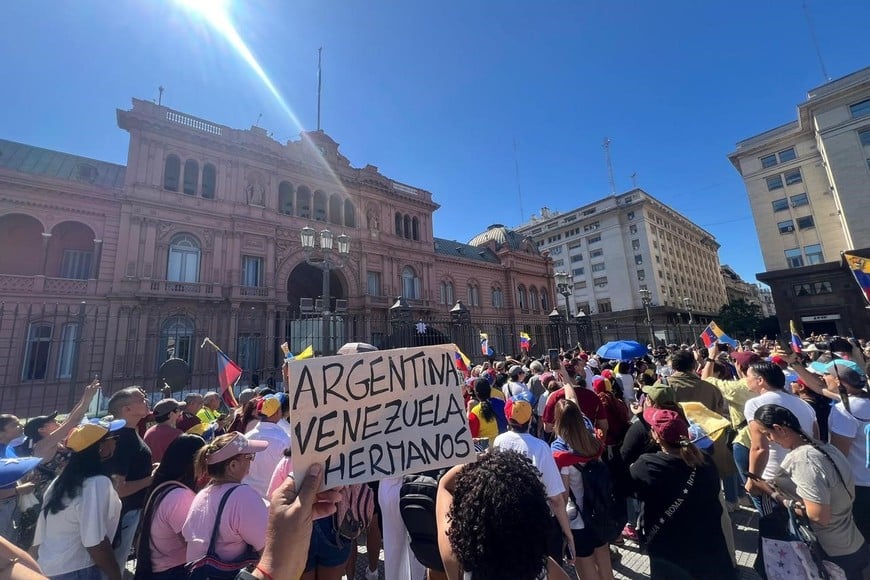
point(211, 566)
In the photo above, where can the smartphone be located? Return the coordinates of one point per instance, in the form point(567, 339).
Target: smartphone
point(553, 355)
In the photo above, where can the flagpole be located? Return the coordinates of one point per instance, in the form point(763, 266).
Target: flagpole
point(210, 342)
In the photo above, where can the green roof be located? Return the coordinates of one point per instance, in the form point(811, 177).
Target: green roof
point(47, 163)
point(456, 249)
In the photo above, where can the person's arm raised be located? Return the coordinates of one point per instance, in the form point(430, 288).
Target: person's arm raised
point(45, 447)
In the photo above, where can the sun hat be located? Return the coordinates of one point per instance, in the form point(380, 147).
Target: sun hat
point(236, 446)
point(86, 434)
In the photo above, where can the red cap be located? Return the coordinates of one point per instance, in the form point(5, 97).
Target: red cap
point(778, 360)
point(668, 425)
point(583, 356)
point(602, 385)
point(607, 374)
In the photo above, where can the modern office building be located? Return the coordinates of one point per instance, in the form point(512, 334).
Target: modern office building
point(808, 184)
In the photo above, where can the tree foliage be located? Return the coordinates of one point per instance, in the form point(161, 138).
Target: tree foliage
point(740, 319)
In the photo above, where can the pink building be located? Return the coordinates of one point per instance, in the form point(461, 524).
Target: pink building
point(109, 270)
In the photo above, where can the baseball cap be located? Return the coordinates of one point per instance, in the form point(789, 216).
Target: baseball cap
point(236, 446)
point(519, 412)
point(31, 429)
point(607, 374)
point(592, 363)
point(660, 394)
point(602, 385)
point(14, 468)
point(668, 425)
point(516, 370)
point(86, 434)
point(246, 395)
point(166, 406)
point(826, 368)
point(777, 360)
point(270, 404)
point(547, 377)
point(744, 358)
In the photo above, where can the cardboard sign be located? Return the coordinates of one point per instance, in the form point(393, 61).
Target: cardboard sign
point(378, 414)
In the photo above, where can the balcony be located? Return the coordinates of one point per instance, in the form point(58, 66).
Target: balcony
point(251, 293)
point(165, 288)
point(12, 284)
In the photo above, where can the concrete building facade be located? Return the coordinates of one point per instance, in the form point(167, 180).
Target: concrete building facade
point(109, 269)
point(807, 183)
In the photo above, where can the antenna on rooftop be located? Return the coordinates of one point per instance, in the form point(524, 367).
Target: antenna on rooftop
point(633, 180)
point(319, 84)
point(815, 41)
point(519, 190)
point(606, 146)
point(257, 122)
point(160, 95)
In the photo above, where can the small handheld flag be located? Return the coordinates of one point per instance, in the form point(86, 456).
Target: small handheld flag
point(524, 341)
point(484, 343)
point(796, 343)
point(463, 363)
point(713, 334)
point(860, 268)
point(228, 373)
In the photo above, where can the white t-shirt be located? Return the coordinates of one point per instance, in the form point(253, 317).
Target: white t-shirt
point(540, 454)
point(265, 462)
point(87, 520)
point(575, 482)
point(627, 383)
point(514, 388)
point(542, 404)
point(842, 423)
point(804, 413)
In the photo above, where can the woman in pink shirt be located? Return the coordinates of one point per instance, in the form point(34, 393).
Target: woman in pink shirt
point(242, 526)
point(162, 550)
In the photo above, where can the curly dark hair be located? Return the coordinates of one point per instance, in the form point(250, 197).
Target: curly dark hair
point(500, 518)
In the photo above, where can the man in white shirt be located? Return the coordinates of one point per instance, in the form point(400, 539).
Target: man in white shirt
point(518, 438)
point(269, 411)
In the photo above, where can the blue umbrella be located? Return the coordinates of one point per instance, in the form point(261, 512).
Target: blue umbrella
point(622, 350)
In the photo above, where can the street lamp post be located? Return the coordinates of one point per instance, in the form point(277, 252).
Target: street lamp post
point(461, 317)
point(646, 298)
point(321, 253)
point(583, 324)
point(690, 307)
point(564, 285)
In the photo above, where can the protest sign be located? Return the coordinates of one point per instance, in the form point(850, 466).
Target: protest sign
point(378, 414)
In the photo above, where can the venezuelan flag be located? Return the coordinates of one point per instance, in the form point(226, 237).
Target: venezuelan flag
point(861, 271)
point(463, 363)
point(525, 341)
point(713, 334)
point(796, 344)
point(484, 343)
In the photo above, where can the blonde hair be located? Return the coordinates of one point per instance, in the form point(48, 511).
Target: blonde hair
point(201, 461)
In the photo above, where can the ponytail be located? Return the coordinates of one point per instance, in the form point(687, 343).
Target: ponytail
point(691, 455)
point(482, 391)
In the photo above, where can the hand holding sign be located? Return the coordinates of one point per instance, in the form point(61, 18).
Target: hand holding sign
point(378, 414)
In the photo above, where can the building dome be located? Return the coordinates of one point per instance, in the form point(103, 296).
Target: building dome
point(503, 237)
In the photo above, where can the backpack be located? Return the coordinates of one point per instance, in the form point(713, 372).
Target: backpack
point(355, 511)
point(602, 511)
point(417, 506)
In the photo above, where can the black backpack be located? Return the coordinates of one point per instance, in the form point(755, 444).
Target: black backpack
point(602, 512)
point(417, 506)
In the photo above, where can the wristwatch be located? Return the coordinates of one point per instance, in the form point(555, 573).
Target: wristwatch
point(244, 574)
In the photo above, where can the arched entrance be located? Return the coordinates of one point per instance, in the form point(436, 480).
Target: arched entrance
point(20, 245)
point(306, 281)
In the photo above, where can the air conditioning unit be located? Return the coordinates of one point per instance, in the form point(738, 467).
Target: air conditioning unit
point(340, 306)
point(306, 304)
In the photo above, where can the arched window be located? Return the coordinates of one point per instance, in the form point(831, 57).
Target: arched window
point(522, 298)
point(398, 224)
point(497, 298)
point(406, 227)
point(446, 293)
point(415, 229)
point(67, 354)
point(183, 264)
point(319, 206)
point(410, 283)
point(191, 176)
point(171, 173)
point(473, 295)
point(285, 198)
point(545, 301)
point(303, 202)
point(176, 340)
point(349, 214)
point(37, 352)
point(534, 302)
point(335, 207)
point(209, 180)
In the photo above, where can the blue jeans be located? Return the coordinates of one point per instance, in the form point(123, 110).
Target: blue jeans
point(741, 460)
point(8, 515)
point(90, 573)
point(126, 531)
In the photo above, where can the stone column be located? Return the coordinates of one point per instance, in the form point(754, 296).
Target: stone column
point(46, 238)
point(95, 263)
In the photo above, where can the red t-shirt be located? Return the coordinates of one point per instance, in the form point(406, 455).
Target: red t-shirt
point(158, 437)
point(590, 405)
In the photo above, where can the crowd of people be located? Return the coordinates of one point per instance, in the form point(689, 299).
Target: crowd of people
point(576, 454)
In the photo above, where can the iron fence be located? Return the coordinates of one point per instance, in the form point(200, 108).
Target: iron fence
point(49, 352)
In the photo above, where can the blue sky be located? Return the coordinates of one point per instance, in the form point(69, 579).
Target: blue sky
point(436, 93)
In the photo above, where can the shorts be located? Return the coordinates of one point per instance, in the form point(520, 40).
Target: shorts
point(585, 542)
point(327, 548)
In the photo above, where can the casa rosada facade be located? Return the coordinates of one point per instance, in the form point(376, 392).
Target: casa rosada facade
point(108, 270)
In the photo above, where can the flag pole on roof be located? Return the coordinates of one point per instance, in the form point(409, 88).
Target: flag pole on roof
point(228, 373)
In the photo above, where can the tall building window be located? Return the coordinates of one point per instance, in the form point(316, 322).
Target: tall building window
point(534, 301)
point(785, 227)
point(68, 337)
point(76, 264)
point(497, 298)
point(250, 352)
point(638, 259)
point(473, 295)
point(545, 301)
point(774, 182)
point(399, 223)
point(191, 176)
point(285, 198)
point(768, 161)
point(209, 181)
point(446, 292)
point(578, 272)
point(793, 177)
point(252, 271)
point(861, 109)
point(176, 340)
point(779, 205)
point(787, 155)
point(814, 254)
point(522, 299)
point(373, 283)
point(794, 258)
point(349, 214)
point(865, 143)
point(604, 306)
point(37, 352)
point(410, 283)
point(171, 173)
point(799, 200)
point(806, 222)
point(599, 267)
point(183, 263)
